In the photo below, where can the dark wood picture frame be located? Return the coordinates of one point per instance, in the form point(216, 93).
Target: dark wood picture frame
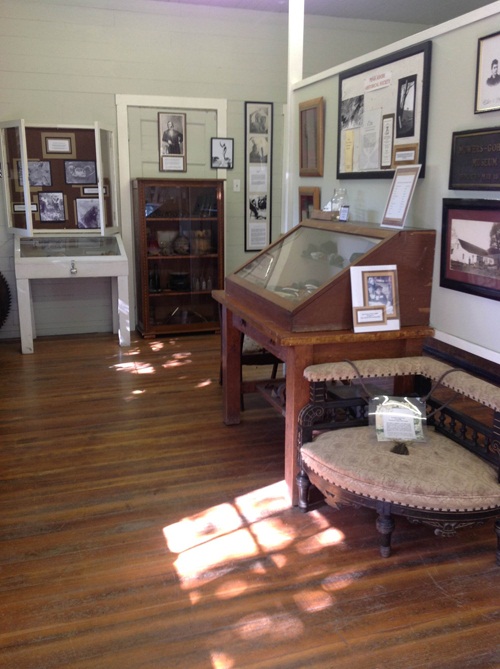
point(311, 122)
point(475, 156)
point(470, 247)
point(369, 94)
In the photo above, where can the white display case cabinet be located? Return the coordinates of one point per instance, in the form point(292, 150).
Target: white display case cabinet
point(71, 257)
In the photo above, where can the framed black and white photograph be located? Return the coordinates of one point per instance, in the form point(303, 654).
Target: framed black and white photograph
point(39, 174)
point(383, 107)
point(172, 141)
point(375, 298)
point(51, 207)
point(222, 153)
point(488, 74)
point(380, 289)
point(258, 174)
point(80, 172)
point(87, 213)
point(470, 247)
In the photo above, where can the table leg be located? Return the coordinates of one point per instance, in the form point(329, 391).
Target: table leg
point(123, 310)
point(231, 368)
point(297, 396)
point(25, 314)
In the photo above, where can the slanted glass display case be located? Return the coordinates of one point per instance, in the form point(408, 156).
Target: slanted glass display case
point(302, 281)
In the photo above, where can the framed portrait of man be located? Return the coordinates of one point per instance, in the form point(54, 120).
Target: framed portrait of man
point(172, 141)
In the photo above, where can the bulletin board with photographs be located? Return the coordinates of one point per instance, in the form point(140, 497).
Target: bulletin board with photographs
point(258, 174)
point(52, 179)
point(383, 114)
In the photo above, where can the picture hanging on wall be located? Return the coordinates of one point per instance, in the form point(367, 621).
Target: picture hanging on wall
point(475, 156)
point(383, 114)
point(258, 174)
point(172, 141)
point(311, 116)
point(488, 74)
point(221, 153)
point(470, 247)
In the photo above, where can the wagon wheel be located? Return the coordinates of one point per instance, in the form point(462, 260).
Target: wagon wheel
point(4, 299)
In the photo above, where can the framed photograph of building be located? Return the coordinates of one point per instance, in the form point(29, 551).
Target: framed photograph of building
point(470, 247)
point(383, 105)
point(488, 74)
point(172, 141)
point(258, 174)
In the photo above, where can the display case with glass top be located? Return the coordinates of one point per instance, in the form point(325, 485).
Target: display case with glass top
point(302, 281)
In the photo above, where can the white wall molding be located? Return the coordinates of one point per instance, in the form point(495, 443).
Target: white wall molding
point(123, 103)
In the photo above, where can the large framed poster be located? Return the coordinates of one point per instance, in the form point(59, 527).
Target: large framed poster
point(258, 174)
point(383, 112)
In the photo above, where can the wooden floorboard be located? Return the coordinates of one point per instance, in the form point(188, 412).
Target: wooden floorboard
point(137, 531)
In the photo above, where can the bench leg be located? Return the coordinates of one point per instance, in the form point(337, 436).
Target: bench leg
point(303, 484)
point(497, 531)
point(385, 526)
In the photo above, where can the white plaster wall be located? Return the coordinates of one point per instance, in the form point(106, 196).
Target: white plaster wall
point(63, 61)
point(466, 321)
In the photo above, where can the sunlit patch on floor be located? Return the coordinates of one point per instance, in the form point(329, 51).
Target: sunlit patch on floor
point(280, 626)
point(313, 600)
point(135, 367)
point(329, 537)
point(221, 660)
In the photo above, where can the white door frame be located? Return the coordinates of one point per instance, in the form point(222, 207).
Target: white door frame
point(123, 102)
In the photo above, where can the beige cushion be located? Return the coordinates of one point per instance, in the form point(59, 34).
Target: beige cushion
point(438, 474)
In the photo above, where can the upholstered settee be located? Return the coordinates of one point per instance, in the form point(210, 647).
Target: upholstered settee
point(449, 481)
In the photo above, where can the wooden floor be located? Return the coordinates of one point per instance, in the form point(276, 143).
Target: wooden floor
point(137, 531)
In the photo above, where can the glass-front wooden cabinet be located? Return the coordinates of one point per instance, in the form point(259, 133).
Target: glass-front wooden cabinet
point(179, 244)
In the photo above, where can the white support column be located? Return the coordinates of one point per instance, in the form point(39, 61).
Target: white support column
point(290, 143)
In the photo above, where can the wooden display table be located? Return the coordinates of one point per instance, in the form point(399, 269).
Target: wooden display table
point(299, 350)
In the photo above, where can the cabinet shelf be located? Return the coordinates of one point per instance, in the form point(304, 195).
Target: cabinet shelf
point(182, 257)
point(169, 294)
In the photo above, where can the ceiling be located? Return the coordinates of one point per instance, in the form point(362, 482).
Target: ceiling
point(426, 12)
